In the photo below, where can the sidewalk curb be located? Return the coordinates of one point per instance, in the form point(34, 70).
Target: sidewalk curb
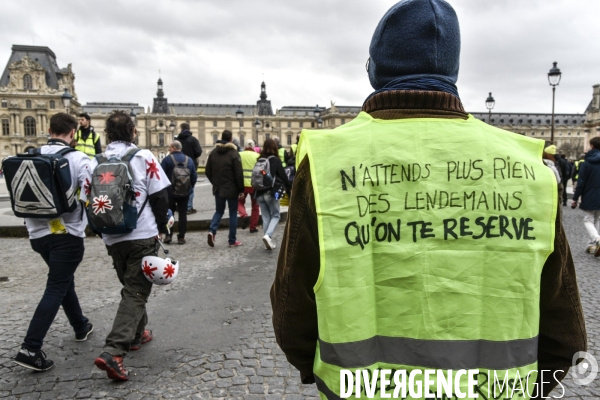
point(20, 231)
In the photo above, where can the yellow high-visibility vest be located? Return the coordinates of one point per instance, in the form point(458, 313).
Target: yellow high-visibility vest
point(433, 234)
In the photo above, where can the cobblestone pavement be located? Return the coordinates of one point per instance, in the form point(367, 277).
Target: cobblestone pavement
point(209, 365)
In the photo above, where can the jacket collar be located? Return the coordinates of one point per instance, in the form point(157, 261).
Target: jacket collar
point(399, 104)
point(229, 145)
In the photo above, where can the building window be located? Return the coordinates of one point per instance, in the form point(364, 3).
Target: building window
point(27, 82)
point(532, 133)
point(27, 103)
point(289, 140)
point(542, 134)
point(577, 133)
point(214, 124)
point(493, 120)
point(501, 121)
point(343, 121)
point(4, 103)
point(312, 124)
point(29, 126)
point(5, 127)
point(215, 138)
point(301, 124)
point(161, 139)
point(569, 133)
point(289, 124)
point(267, 136)
point(52, 104)
point(528, 121)
point(510, 120)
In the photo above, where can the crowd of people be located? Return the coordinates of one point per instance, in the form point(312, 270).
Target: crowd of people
point(354, 289)
point(157, 191)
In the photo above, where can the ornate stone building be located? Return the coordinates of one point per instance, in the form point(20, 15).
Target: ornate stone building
point(32, 84)
point(159, 125)
point(31, 87)
point(570, 134)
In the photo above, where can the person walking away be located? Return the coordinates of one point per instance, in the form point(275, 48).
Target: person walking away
point(268, 199)
point(588, 189)
point(149, 184)
point(576, 164)
point(86, 139)
point(190, 146)
point(182, 173)
point(224, 171)
point(59, 241)
point(399, 286)
point(249, 157)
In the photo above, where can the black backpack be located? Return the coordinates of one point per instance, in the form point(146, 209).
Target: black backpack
point(112, 206)
point(39, 184)
point(181, 180)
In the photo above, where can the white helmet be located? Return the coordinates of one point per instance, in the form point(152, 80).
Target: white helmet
point(160, 271)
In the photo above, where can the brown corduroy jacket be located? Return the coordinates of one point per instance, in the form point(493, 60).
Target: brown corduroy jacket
point(562, 327)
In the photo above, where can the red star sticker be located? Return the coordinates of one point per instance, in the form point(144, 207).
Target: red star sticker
point(152, 170)
point(169, 271)
point(148, 270)
point(106, 177)
point(101, 204)
point(137, 194)
point(86, 187)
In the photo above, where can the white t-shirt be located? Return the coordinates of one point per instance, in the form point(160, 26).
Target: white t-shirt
point(148, 178)
point(76, 221)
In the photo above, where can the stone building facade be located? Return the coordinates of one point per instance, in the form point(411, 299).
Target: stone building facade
point(31, 87)
point(32, 84)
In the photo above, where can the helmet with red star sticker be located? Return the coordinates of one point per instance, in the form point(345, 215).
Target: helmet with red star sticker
point(160, 271)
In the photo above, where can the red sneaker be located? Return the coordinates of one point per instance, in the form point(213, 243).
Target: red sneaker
point(236, 244)
point(113, 365)
point(146, 337)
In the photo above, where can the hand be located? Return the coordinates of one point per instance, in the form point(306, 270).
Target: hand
point(573, 204)
point(241, 195)
point(161, 237)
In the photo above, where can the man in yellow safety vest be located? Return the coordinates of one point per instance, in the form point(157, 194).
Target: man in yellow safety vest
point(422, 242)
point(86, 139)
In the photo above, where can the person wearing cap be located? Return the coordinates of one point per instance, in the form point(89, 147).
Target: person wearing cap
point(383, 266)
point(249, 157)
point(550, 160)
point(587, 194)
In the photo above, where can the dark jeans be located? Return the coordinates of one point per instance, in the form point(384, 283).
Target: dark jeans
point(131, 318)
point(180, 204)
point(232, 203)
point(62, 254)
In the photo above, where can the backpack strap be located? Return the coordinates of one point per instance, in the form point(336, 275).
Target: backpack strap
point(143, 205)
point(64, 151)
point(100, 158)
point(130, 153)
point(173, 159)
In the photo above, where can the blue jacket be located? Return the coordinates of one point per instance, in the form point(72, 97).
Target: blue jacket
point(168, 166)
point(588, 183)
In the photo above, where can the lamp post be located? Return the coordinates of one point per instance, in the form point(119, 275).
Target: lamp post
point(554, 76)
point(239, 114)
point(132, 116)
point(490, 103)
point(66, 99)
point(257, 126)
point(317, 115)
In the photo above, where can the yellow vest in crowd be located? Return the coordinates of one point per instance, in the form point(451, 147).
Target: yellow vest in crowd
point(433, 234)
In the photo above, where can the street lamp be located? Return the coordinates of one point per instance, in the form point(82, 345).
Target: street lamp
point(132, 116)
point(257, 126)
point(317, 112)
point(172, 125)
point(490, 103)
point(239, 114)
point(319, 123)
point(554, 76)
point(66, 99)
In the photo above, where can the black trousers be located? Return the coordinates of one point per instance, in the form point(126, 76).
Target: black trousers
point(180, 204)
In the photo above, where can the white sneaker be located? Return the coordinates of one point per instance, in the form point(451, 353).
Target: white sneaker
point(269, 245)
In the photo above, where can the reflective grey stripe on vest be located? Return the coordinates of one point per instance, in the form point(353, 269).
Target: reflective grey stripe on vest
point(325, 390)
point(438, 354)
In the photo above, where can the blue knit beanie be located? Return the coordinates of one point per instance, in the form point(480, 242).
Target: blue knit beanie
point(415, 37)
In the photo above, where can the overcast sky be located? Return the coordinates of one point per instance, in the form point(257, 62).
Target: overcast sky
point(307, 52)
